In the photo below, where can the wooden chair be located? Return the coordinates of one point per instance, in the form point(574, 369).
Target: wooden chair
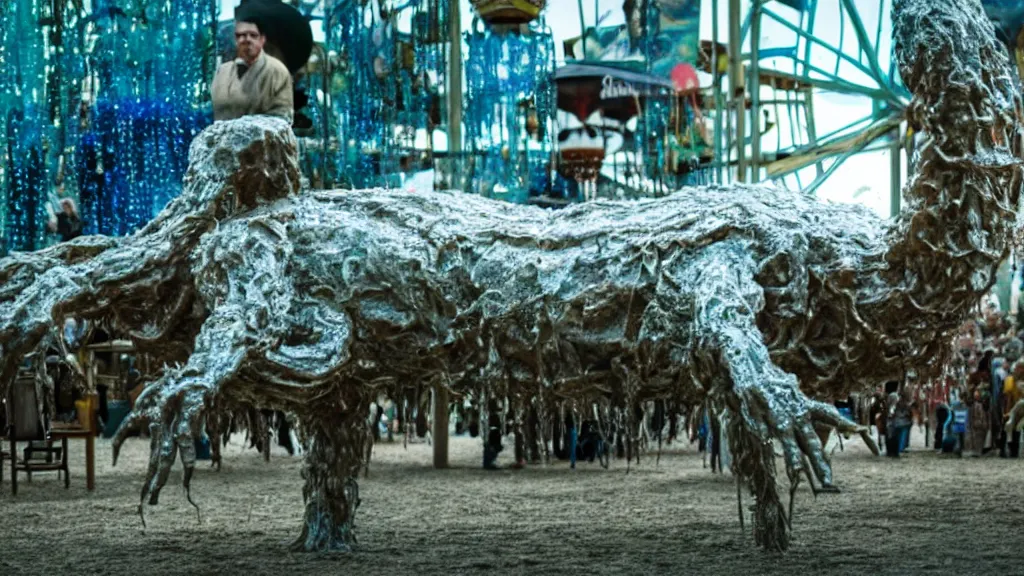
point(26, 424)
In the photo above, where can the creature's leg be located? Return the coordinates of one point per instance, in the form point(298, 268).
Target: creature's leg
point(174, 407)
point(330, 470)
point(27, 317)
point(764, 403)
point(333, 423)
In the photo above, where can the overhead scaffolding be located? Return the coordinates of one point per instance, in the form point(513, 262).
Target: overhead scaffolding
point(746, 110)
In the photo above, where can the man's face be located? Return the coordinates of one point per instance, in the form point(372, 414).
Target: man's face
point(249, 41)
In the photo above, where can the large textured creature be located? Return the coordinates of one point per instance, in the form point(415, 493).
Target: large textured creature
point(259, 293)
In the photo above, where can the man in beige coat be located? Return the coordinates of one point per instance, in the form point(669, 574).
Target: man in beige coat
point(252, 83)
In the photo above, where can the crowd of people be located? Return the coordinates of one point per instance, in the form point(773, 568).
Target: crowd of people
point(990, 380)
point(967, 410)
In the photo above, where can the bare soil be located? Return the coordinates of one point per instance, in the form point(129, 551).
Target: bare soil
point(921, 514)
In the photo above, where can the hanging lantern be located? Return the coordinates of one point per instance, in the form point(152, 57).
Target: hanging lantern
point(508, 12)
point(684, 78)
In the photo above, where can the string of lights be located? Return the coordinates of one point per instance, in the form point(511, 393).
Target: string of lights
point(24, 56)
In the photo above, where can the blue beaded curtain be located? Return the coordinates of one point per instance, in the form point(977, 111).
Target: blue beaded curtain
point(508, 107)
point(362, 38)
point(23, 123)
point(99, 100)
point(149, 65)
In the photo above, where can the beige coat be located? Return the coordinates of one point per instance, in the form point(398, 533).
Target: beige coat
point(265, 88)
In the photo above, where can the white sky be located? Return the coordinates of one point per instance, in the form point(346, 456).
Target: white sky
point(864, 178)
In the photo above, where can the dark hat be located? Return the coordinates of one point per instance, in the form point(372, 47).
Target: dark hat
point(284, 26)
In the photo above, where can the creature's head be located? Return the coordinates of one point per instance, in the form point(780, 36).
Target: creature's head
point(234, 166)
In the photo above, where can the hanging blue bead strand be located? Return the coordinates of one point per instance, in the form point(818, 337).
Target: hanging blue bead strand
point(505, 84)
point(26, 123)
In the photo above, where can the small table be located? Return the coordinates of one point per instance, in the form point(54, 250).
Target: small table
point(61, 431)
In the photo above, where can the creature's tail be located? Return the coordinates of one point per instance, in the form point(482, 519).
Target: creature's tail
point(945, 249)
point(967, 104)
point(966, 95)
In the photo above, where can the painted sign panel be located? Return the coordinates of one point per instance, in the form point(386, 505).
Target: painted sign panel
point(672, 36)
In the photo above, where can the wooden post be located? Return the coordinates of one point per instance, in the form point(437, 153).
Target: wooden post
point(455, 86)
point(737, 91)
point(755, 93)
point(90, 437)
point(90, 361)
point(90, 462)
point(719, 100)
point(440, 432)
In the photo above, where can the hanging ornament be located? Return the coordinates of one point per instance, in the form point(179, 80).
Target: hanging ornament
point(508, 12)
point(506, 81)
point(532, 122)
point(684, 77)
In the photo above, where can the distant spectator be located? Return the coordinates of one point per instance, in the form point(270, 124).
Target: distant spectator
point(493, 445)
point(898, 430)
point(1012, 393)
point(67, 224)
point(977, 425)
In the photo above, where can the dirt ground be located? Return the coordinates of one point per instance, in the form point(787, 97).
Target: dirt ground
point(922, 514)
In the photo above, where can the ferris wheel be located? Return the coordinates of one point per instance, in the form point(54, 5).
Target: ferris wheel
point(818, 88)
